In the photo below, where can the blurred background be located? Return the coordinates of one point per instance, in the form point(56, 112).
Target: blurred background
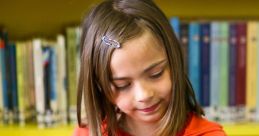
point(39, 62)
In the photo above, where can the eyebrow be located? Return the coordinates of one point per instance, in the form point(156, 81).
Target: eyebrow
point(145, 70)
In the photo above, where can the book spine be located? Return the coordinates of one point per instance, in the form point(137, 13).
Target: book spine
point(214, 63)
point(214, 70)
point(257, 91)
point(72, 53)
point(20, 81)
point(13, 82)
point(38, 77)
point(241, 70)
point(194, 58)
point(61, 78)
point(53, 82)
point(8, 111)
point(31, 106)
point(4, 81)
point(46, 69)
point(205, 68)
point(224, 73)
point(184, 39)
point(232, 63)
point(232, 71)
point(1, 82)
point(175, 23)
point(205, 64)
point(251, 69)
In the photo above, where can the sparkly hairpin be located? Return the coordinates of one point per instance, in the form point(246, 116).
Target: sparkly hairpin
point(111, 42)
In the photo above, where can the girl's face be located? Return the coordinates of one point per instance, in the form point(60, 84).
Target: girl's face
point(141, 79)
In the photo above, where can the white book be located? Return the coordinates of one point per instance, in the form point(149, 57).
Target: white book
point(61, 77)
point(39, 83)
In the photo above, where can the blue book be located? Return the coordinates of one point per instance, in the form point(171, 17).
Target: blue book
point(13, 81)
point(194, 58)
point(4, 78)
point(214, 63)
point(175, 23)
point(205, 64)
point(232, 63)
point(53, 80)
point(184, 39)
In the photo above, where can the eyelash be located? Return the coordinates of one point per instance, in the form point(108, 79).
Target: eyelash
point(157, 75)
point(122, 87)
point(153, 76)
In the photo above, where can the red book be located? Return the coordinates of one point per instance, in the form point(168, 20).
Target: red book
point(241, 64)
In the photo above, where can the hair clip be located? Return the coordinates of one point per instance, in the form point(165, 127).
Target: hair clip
point(111, 42)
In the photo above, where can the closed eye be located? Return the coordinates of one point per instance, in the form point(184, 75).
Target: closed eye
point(157, 74)
point(122, 86)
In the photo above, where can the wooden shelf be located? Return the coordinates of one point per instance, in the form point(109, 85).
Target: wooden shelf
point(35, 131)
point(231, 130)
point(246, 129)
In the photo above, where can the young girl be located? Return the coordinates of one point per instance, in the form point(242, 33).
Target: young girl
point(132, 75)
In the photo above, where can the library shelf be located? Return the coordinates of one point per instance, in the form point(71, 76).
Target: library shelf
point(242, 129)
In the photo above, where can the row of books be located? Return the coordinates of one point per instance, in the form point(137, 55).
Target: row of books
point(38, 79)
point(221, 59)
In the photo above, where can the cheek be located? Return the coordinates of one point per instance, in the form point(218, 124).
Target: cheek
point(123, 102)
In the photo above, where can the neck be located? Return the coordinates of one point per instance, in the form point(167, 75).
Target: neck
point(137, 128)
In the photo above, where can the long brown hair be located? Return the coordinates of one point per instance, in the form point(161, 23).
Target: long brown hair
point(123, 20)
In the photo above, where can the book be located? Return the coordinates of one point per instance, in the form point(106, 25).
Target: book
point(175, 23)
point(5, 90)
point(53, 83)
point(194, 59)
point(232, 71)
point(12, 83)
point(184, 40)
point(73, 34)
point(223, 70)
point(205, 68)
point(1, 81)
point(257, 91)
point(214, 69)
point(241, 70)
point(38, 77)
point(205, 64)
point(61, 79)
point(20, 49)
point(251, 70)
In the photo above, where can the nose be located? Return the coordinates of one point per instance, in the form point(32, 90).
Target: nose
point(143, 92)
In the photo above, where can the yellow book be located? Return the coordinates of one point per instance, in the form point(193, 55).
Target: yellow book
point(72, 63)
point(20, 80)
point(251, 69)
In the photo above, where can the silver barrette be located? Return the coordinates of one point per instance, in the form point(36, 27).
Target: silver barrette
point(111, 42)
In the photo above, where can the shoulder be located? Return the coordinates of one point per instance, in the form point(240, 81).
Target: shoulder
point(81, 131)
point(203, 127)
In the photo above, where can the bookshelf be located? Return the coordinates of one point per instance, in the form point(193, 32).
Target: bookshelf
point(29, 18)
point(32, 130)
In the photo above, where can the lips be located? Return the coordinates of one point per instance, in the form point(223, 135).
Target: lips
point(151, 108)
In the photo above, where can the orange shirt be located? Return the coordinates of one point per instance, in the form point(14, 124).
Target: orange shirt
point(196, 126)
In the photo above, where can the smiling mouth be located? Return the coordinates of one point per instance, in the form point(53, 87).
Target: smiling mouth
point(151, 108)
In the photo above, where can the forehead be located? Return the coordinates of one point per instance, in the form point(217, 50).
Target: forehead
point(136, 54)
